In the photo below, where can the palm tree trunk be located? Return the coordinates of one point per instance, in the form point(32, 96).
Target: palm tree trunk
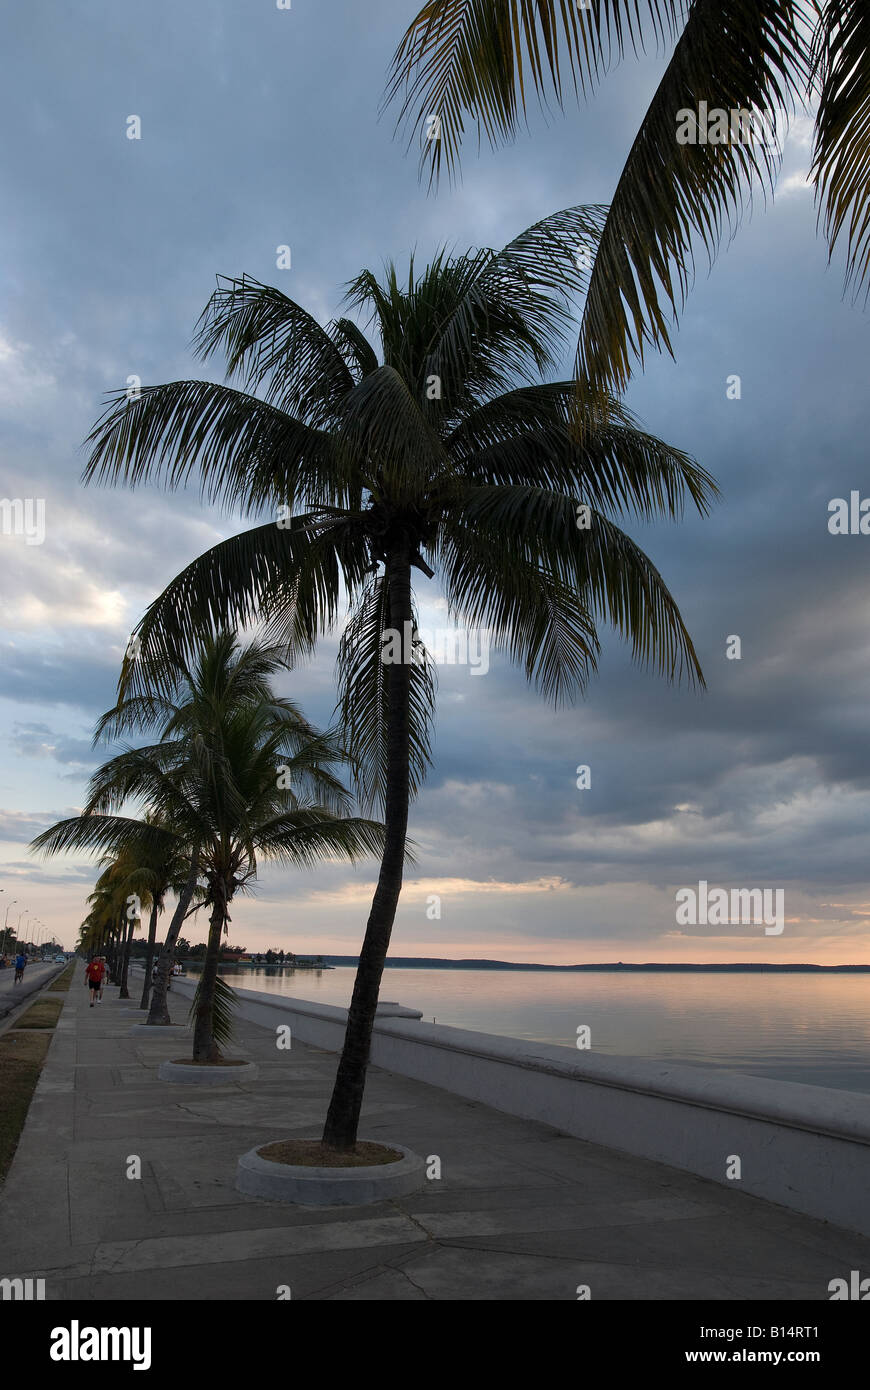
point(205, 1049)
point(149, 954)
point(124, 992)
point(342, 1120)
point(158, 1014)
point(110, 952)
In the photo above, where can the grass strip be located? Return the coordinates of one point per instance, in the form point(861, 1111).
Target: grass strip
point(43, 1014)
point(21, 1060)
point(63, 982)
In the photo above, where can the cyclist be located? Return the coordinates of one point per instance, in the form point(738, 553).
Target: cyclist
point(20, 962)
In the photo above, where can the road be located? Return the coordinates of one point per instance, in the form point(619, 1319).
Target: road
point(35, 976)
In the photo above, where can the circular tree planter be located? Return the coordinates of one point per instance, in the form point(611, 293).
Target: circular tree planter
point(207, 1073)
point(307, 1186)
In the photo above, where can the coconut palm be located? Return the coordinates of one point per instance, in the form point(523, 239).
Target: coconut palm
point(161, 868)
point(444, 447)
point(140, 848)
point(230, 782)
point(475, 63)
point(127, 882)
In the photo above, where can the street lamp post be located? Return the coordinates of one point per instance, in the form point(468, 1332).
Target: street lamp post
point(6, 922)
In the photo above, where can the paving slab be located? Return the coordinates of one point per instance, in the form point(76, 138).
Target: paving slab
point(520, 1212)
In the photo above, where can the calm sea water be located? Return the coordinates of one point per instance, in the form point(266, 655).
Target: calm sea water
point(809, 1028)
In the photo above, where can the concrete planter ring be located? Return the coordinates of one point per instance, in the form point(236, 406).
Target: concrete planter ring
point(192, 1074)
point(329, 1187)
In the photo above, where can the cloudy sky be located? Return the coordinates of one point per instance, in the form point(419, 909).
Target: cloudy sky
point(260, 128)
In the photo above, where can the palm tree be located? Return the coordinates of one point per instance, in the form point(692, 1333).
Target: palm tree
point(475, 62)
point(158, 868)
point(137, 849)
point(233, 775)
point(99, 922)
point(163, 875)
point(445, 451)
point(110, 907)
point(89, 936)
point(128, 885)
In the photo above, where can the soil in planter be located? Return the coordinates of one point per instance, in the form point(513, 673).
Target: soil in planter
point(311, 1153)
point(221, 1062)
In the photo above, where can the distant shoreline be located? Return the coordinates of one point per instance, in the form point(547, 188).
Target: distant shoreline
point(435, 963)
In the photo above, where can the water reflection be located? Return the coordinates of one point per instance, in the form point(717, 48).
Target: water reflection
point(810, 1028)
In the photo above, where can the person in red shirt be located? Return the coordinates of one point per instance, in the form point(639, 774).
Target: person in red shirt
point(94, 972)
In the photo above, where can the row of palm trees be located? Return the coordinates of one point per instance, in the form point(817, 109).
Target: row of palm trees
point(236, 775)
point(444, 447)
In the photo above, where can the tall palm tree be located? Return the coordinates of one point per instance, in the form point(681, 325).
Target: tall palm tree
point(476, 63)
point(234, 774)
point(445, 450)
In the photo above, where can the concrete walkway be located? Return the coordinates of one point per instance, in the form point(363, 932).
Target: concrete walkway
point(520, 1212)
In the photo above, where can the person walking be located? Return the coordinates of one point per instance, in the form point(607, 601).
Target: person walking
point(94, 972)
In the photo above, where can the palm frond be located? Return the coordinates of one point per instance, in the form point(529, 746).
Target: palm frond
point(525, 608)
point(613, 579)
point(734, 56)
point(289, 578)
point(275, 346)
point(841, 158)
point(514, 308)
point(224, 1004)
point(246, 451)
point(105, 834)
point(529, 436)
point(362, 707)
point(478, 61)
point(302, 838)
